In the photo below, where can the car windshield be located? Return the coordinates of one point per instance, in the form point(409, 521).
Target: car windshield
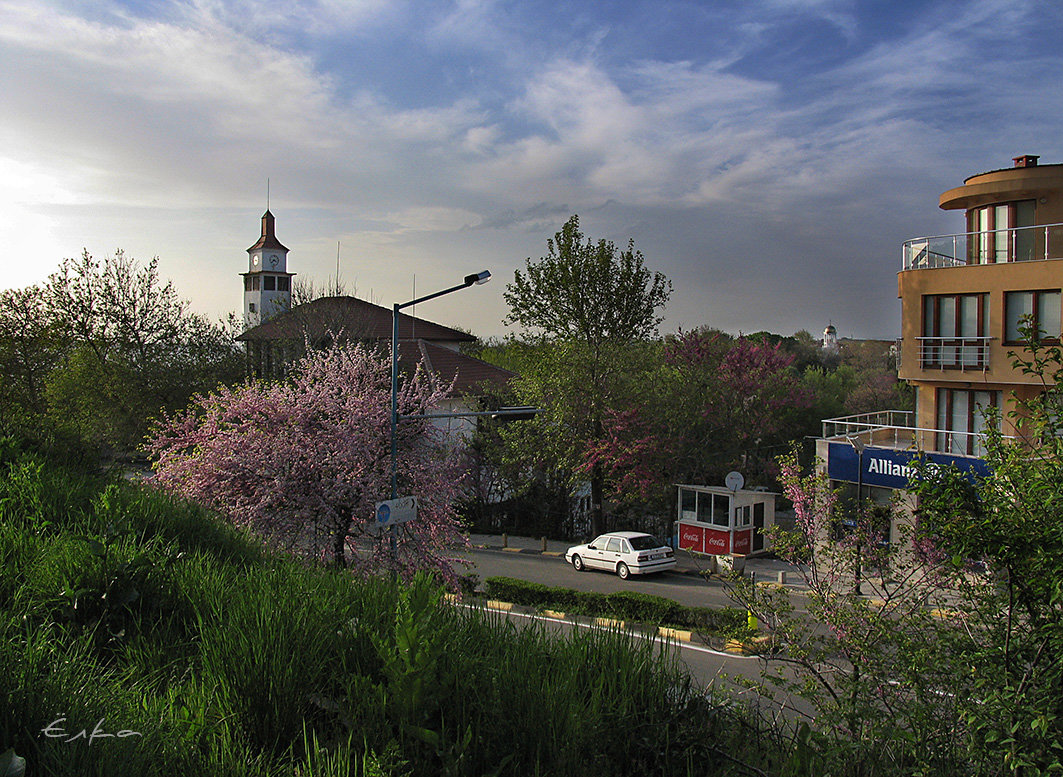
point(645, 542)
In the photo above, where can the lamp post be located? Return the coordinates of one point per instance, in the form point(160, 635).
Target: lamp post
point(858, 446)
point(476, 279)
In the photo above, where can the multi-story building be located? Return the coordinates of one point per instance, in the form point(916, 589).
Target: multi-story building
point(965, 299)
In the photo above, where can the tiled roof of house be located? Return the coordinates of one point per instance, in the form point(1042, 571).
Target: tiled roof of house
point(470, 375)
point(355, 318)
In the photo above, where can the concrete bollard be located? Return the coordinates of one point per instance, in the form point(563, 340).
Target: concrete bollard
point(505, 540)
point(544, 544)
point(782, 578)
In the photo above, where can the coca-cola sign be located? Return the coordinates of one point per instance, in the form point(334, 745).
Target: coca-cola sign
point(741, 541)
point(691, 538)
point(717, 542)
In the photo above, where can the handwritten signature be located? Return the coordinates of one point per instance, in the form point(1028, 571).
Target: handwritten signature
point(54, 731)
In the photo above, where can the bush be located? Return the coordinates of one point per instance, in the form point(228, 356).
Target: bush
point(120, 606)
point(622, 605)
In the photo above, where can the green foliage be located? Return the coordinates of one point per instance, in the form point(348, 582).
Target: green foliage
point(593, 305)
point(235, 662)
point(621, 605)
point(1009, 524)
point(588, 292)
point(102, 347)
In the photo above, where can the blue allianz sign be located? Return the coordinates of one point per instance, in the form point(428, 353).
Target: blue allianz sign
point(888, 468)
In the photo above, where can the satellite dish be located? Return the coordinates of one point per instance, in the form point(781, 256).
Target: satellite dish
point(734, 481)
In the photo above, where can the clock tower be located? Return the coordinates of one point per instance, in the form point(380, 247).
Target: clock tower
point(267, 282)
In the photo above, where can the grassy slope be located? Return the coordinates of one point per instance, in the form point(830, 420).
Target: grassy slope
point(120, 604)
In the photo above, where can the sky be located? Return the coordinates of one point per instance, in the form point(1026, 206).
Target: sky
point(769, 156)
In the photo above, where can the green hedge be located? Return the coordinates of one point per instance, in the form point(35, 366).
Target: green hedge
point(623, 605)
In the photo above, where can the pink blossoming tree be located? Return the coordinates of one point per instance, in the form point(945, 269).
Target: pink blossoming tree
point(304, 461)
point(867, 668)
point(715, 404)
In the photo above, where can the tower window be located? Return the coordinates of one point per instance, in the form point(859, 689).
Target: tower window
point(251, 307)
point(284, 283)
point(269, 283)
point(247, 283)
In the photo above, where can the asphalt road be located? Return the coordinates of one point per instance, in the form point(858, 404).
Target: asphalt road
point(688, 590)
point(708, 667)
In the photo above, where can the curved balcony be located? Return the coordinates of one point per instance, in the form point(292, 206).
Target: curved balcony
point(1019, 244)
point(895, 429)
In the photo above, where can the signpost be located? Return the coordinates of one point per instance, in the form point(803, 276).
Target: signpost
point(395, 511)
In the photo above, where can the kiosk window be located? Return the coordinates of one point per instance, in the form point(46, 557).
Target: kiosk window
point(714, 509)
point(688, 505)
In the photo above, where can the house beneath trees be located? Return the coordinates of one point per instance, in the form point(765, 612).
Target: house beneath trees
point(278, 333)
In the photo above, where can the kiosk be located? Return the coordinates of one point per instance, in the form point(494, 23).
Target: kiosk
point(721, 521)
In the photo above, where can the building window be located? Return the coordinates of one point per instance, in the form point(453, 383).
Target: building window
point(688, 505)
point(1038, 310)
point(714, 509)
point(269, 283)
point(284, 283)
point(961, 420)
point(955, 331)
point(997, 234)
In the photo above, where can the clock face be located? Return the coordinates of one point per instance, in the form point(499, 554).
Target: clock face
point(254, 260)
point(273, 259)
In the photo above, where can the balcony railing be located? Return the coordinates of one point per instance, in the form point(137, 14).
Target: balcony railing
point(954, 353)
point(1020, 244)
point(895, 429)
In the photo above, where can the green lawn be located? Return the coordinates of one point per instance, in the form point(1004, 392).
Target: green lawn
point(142, 636)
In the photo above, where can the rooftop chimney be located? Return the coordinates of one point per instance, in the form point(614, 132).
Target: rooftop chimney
point(1026, 160)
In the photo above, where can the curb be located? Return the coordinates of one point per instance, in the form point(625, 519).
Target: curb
point(704, 574)
point(663, 632)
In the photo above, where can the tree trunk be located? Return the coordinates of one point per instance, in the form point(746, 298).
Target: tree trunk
point(339, 541)
point(597, 513)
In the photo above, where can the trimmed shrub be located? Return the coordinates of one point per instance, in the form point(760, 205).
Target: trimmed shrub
point(622, 605)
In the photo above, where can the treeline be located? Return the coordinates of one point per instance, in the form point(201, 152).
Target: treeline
point(102, 347)
point(682, 408)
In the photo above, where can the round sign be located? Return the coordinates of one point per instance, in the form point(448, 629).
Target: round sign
point(734, 480)
point(383, 513)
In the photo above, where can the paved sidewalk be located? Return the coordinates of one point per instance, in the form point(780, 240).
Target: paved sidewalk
point(767, 570)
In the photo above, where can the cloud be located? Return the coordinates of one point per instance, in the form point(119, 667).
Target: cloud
point(440, 135)
point(270, 19)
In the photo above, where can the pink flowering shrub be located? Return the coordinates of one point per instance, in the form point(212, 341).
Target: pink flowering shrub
point(304, 461)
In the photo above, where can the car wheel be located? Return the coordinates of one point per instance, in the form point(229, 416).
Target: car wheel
point(577, 563)
point(623, 571)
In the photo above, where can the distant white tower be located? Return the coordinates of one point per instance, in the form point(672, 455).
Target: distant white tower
point(267, 282)
point(830, 338)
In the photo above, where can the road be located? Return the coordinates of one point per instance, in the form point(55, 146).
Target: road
point(688, 590)
point(705, 665)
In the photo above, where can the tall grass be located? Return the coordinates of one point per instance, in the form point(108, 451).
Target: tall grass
point(125, 611)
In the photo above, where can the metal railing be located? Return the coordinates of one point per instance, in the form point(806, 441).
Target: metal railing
point(895, 429)
point(954, 353)
point(1019, 244)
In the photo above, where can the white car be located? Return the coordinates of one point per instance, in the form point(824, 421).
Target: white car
point(624, 552)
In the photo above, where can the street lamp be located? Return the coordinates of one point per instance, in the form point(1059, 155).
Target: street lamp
point(474, 279)
point(858, 446)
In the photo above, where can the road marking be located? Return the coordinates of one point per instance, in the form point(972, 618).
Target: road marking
point(641, 635)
